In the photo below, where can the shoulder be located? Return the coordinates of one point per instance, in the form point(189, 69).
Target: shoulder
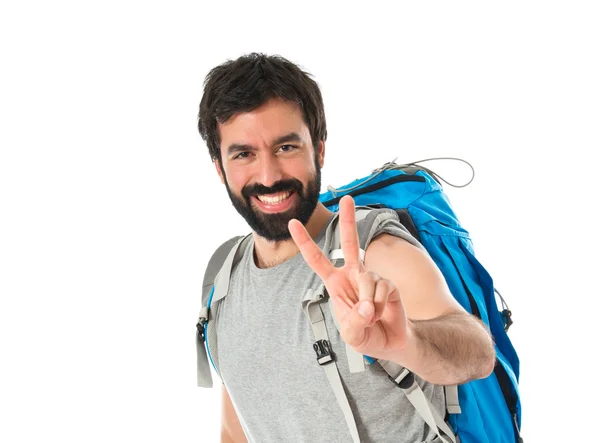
point(400, 258)
point(388, 244)
point(374, 224)
point(392, 251)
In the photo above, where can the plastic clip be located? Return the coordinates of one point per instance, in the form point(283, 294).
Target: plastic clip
point(404, 379)
point(506, 316)
point(200, 327)
point(323, 350)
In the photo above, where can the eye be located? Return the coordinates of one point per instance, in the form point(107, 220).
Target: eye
point(241, 155)
point(287, 148)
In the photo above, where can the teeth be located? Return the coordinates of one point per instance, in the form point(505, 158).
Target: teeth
point(274, 199)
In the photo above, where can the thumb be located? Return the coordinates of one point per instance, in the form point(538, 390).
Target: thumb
point(354, 326)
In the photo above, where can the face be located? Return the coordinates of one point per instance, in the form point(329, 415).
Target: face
point(270, 168)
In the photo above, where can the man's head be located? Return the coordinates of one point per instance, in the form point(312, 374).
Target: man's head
point(263, 120)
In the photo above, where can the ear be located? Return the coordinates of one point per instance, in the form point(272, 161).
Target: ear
point(219, 170)
point(321, 153)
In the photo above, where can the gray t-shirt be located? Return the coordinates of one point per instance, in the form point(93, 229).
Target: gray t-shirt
point(269, 367)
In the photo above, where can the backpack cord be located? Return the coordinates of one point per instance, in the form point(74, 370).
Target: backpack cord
point(392, 165)
point(504, 305)
point(437, 176)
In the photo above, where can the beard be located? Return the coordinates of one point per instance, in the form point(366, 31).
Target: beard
point(274, 227)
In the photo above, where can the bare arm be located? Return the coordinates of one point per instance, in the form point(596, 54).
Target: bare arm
point(231, 429)
point(451, 349)
point(446, 344)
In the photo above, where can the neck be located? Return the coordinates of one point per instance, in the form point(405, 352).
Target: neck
point(268, 253)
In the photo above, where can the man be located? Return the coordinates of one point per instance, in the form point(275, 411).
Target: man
point(263, 120)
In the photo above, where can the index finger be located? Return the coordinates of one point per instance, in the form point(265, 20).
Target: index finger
point(313, 256)
point(349, 232)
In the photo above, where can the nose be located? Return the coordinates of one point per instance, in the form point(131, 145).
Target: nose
point(269, 171)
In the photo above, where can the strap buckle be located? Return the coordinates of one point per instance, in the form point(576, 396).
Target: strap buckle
point(324, 353)
point(506, 316)
point(403, 379)
point(200, 327)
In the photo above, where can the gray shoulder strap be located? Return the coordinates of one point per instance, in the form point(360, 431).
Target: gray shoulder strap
point(311, 305)
point(215, 264)
point(356, 363)
point(406, 381)
point(372, 219)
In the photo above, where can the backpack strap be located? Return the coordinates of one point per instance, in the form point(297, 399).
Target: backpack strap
point(311, 305)
point(374, 218)
point(356, 362)
point(406, 381)
point(452, 404)
point(222, 259)
point(402, 377)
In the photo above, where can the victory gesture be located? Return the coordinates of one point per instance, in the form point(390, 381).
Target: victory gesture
point(369, 308)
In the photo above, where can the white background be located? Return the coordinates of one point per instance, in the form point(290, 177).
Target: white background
point(110, 206)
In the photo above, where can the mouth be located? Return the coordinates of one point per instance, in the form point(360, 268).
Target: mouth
point(278, 202)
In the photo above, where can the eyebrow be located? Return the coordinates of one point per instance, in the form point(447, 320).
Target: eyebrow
point(240, 147)
point(291, 137)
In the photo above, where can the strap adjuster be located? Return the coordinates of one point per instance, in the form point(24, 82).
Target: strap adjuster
point(404, 379)
point(506, 317)
point(324, 353)
point(200, 327)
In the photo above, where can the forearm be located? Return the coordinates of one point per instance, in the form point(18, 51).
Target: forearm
point(450, 349)
point(229, 437)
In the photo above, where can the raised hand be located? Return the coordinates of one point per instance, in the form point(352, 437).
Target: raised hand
point(368, 307)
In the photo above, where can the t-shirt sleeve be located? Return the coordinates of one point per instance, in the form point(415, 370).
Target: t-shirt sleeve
point(382, 221)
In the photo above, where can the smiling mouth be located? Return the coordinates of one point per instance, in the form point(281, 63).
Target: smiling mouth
point(274, 199)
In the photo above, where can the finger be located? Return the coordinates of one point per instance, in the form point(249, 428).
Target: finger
point(349, 232)
point(354, 328)
point(367, 284)
point(383, 289)
point(313, 256)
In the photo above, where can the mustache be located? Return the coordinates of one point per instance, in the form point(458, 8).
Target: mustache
point(282, 185)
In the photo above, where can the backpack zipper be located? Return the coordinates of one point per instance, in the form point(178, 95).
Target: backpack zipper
point(377, 186)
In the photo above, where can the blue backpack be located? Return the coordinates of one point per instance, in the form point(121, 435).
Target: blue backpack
point(490, 408)
point(480, 411)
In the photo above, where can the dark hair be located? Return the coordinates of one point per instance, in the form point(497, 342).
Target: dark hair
point(248, 82)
